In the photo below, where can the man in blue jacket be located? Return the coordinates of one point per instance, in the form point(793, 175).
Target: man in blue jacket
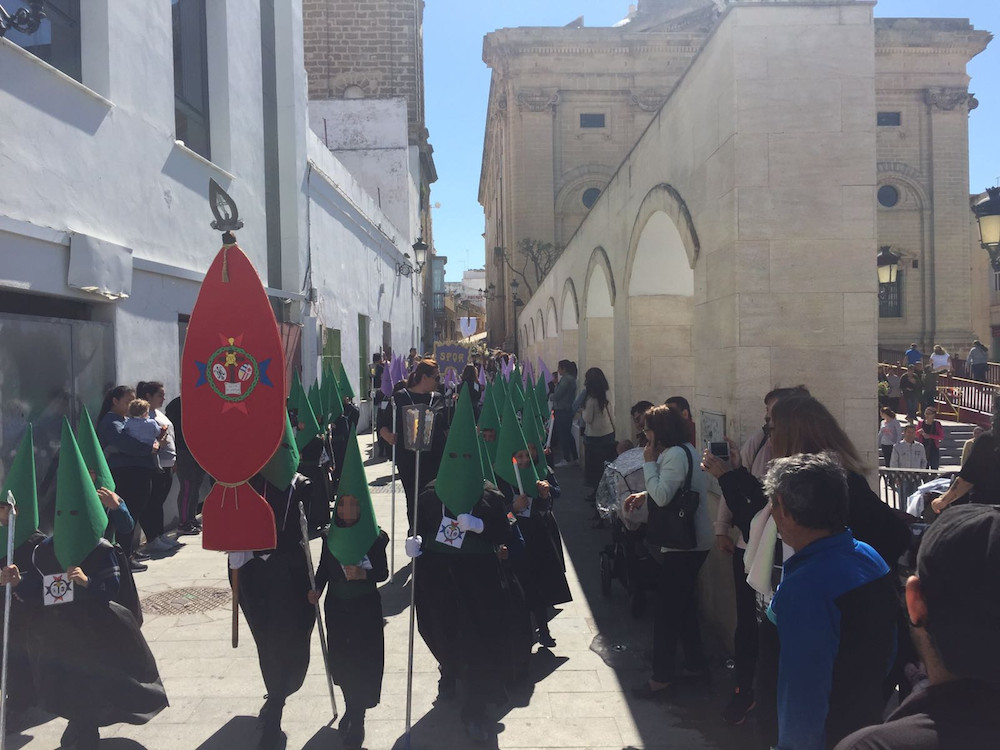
point(835, 610)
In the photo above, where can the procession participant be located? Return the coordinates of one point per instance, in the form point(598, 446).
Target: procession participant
point(273, 586)
point(422, 390)
point(460, 597)
point(20, 482)
point(89, 660)
point(489, 426)
point(352, 562)
point(540, 568)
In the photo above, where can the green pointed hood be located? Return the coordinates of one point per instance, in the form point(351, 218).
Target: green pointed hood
point(509, 441)
point(280, 469)
point(308, 427)
point(489, 419)
point(499, 393)
point(20, 482)
point(349, 544)
point(332, 397)
point(487, 461)
point(80, 517)
point(343, 383)
point(515, 393)
point(316, 402)
point(93, 454)
point(533, 433)
point(460, 477)
point(542, 397)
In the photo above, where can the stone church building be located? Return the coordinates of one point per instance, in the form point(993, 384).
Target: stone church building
point(740, 163)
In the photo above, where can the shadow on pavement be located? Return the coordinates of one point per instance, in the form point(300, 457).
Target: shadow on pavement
point(692, 715)
point(238, 732)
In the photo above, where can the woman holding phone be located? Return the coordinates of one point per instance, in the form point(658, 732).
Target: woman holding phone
point(668, 456)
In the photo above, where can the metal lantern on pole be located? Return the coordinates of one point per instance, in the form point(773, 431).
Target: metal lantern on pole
point(987, 213)
point(888, 266)
point(418, 436)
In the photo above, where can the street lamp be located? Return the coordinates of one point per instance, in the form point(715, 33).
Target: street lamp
point(490, 292)
point(25, 20)
point(987, 213)
point(419, 256)
point(516, 301)
point(888, 265)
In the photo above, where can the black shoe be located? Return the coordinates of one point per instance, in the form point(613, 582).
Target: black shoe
point(188, 529)
point(740, 707)
point(137, 567)
point(80, 736)
point(140, 556)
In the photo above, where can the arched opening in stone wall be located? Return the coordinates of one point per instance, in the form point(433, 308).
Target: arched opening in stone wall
point(569, 317)
point(661, 301)
point(599, 314)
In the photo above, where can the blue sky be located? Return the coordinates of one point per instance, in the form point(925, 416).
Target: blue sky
point(457, 85)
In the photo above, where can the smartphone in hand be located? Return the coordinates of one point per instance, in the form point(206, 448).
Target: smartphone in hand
point(721, 450)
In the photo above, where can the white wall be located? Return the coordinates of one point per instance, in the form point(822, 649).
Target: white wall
point(369, 136)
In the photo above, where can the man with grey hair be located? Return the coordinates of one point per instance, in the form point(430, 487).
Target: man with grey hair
point(835, 610)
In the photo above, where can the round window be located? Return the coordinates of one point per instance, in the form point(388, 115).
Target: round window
point(590, 196)
point(888, 196)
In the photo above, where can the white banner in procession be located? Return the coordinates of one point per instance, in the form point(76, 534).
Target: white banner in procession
point(468, 326)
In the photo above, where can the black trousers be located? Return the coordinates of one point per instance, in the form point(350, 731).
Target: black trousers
point(886, 453)
point(152, 518)
point(933, 454)
point(134, 484)
point(596, 453)
point(745, 639)
point(677, 615)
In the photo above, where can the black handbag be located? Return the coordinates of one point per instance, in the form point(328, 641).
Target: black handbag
point(672, 526)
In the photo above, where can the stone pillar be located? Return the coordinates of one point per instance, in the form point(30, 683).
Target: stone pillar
point(949, 275)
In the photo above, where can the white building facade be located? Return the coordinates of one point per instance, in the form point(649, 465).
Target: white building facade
point(104, 215)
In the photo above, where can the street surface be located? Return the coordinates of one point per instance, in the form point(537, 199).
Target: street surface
point(576, 700)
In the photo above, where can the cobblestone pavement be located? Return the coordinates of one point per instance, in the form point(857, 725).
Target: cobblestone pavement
point(579, 696)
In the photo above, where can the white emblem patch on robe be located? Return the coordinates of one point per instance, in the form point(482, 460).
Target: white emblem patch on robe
point(57, 589)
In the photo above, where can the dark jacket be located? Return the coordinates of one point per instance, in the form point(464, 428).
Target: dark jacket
point(122, 449)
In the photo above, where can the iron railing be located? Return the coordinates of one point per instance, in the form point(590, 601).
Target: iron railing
point(893, 483)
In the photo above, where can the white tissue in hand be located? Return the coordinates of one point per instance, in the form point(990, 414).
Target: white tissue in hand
point(413, 544)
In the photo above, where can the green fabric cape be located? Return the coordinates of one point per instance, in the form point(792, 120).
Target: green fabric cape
point(80, 517)
point(349, 544)
point(460, 477)
point(343, 383)
point(280, 469)
point(93, 454)
point(20, 482)
point(542, 398)
point(509, 441)
point(298, 400)
point(499, 393)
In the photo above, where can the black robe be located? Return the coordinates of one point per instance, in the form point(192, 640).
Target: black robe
point(541, 568)
point(89, 660)
point(354, 625)
point(461, 598)
point(274, 587)
point(23, 617)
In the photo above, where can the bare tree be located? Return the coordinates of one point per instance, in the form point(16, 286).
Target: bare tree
point(532, 261)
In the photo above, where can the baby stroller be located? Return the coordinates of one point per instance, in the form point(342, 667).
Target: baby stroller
point(626, 558)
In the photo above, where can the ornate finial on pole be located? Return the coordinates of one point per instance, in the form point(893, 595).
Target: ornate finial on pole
point(227, 216)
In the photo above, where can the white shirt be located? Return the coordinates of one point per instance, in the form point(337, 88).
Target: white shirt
point(908, 456)
point(940, 361)
point(167, 455)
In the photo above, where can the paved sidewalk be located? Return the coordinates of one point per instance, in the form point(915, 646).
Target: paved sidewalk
point(577, 699)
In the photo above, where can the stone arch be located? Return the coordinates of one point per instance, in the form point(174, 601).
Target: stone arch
point(570, 313)
point(552, 319)
point(533, 336)
point(599, 316)
point(659, 277)
point(600, 264)
point(666, 199)
point(540, 330)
